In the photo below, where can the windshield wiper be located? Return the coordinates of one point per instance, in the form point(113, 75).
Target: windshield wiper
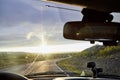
point(49, 74)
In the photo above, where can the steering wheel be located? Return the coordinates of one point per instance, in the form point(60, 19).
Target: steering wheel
point(11, 76)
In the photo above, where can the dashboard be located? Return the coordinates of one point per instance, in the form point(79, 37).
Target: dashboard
point(12, 76)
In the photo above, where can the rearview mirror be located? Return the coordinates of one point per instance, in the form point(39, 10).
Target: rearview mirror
point(92, 31)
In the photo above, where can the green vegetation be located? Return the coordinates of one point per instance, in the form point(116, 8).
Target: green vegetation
point(105, 57)
point(15, 58)
point(100, 51)
point(8, 59)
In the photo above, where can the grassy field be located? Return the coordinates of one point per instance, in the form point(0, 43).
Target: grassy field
point(8, 59)
point(105, 57)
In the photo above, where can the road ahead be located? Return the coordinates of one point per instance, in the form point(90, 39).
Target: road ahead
point(35, 67)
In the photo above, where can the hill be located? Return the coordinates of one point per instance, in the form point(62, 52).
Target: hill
point(105, 57)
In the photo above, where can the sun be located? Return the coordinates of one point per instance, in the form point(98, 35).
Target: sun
point(44, 49)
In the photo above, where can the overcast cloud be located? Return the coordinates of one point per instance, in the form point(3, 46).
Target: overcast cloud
point(23, 22)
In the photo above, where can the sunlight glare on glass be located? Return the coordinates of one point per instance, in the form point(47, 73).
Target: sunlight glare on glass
point(43, 45)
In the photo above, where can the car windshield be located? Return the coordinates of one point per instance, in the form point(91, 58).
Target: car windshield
point(32, 42)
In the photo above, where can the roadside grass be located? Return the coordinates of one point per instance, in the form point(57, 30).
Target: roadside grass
point(69, 65)
point(9, 59)
point(105, 57)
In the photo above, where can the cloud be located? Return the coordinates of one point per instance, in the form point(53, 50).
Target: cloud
point(15, 12)
point(25, 22)
point(29, 35)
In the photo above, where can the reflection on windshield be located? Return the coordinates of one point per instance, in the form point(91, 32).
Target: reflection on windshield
point(31, 42)
point(36, 28)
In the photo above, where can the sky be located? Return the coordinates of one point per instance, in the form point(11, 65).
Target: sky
point(29, 25)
